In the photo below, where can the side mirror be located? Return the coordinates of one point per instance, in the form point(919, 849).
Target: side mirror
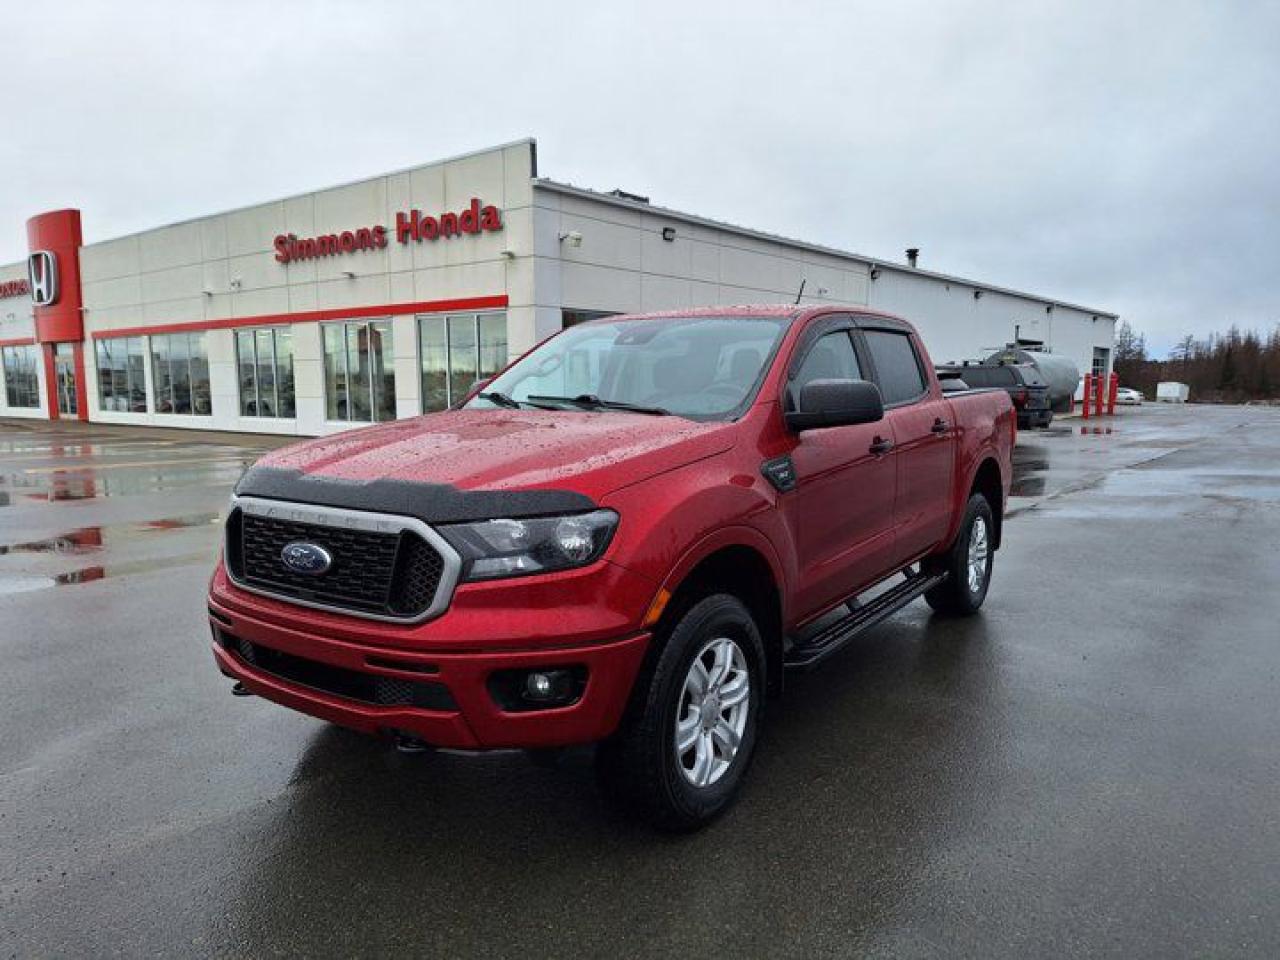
point(836, 403)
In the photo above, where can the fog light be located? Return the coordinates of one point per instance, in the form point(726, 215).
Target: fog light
point(541, 688)
point(548, 686)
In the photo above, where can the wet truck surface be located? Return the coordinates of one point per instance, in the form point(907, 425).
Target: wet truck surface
point(625, 538)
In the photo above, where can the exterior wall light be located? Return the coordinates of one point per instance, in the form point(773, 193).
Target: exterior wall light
point(573, 238)
point(977, 294)
point(669, 234)
point(875, 273)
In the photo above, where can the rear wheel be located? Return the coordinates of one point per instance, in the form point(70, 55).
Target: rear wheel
point(687, 741)
point(967, 564)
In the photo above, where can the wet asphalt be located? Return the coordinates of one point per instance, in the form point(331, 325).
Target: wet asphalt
point(1091, 767)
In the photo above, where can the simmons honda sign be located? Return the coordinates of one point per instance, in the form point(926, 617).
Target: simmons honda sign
point(42, 274)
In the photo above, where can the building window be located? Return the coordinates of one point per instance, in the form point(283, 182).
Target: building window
point(264, 358)
point(457, 351)
point(21, 381)
point(180, 370)
point(359, 372)
point(122, 378)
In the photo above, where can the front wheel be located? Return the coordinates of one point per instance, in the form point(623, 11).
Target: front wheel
point(967, 564)
point(687, 741)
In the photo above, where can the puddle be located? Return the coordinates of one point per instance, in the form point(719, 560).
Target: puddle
point(26, 584)
point(91, 539)
point(84, 540)
point(62, 486)
point(1028, 487)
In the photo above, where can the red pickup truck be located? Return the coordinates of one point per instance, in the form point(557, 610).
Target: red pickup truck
point(627, 537)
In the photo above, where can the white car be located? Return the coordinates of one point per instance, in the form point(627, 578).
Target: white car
point(1128, 395)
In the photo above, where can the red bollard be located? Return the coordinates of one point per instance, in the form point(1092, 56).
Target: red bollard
point(1100, 384)
point(1111, 393)
point(1088, 385)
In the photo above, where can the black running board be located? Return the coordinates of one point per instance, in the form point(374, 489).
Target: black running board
point(832, 638)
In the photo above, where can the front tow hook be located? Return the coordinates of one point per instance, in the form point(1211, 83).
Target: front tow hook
point(407, 744)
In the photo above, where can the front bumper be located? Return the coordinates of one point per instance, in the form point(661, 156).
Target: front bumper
point(473, 720)
point(458, 652)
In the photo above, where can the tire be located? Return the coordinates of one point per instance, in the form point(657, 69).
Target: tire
point(642, 767)
point(960, 594)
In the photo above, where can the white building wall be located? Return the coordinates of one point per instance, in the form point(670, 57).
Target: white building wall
point(623, 264)
point(956, 325)
point(224, 267)
point(15, 312)
point(17, 323)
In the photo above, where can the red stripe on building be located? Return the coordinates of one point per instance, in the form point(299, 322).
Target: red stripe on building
point(312, 316)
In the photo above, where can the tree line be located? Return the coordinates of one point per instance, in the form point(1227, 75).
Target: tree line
point(1233, 367)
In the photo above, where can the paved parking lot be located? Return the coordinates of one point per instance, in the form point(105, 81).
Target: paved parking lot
point(1090, 768)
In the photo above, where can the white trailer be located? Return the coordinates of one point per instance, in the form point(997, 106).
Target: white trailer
point(1172, 392)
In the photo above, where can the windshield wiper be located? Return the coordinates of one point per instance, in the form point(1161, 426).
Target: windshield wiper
point(501, 399)
point(589, 401)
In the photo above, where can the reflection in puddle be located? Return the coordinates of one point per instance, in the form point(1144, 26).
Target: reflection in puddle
point(61, 486)
point(84, 540)
point(90, 539)
point(25, 584)
point(1028, 487)
point(1030, 466)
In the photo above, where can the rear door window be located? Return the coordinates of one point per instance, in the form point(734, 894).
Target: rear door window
point(897, 369)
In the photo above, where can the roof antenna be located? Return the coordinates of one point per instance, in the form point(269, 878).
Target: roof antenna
point(803, 281)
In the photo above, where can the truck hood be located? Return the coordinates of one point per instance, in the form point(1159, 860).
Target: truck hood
point(588, 453)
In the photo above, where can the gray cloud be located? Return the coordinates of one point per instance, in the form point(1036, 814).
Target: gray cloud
point(1116, 154)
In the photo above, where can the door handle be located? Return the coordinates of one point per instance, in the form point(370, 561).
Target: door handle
point(881, 446)
point(940, 426)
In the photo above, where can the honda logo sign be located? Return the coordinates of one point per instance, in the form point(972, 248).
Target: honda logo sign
point(42, 269)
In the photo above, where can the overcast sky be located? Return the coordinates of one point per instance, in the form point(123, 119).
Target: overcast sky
point(1123, 155)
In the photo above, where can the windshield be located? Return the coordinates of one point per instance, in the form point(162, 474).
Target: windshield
point(703, 368)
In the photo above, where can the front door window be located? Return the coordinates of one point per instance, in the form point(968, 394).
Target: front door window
point(64, 366)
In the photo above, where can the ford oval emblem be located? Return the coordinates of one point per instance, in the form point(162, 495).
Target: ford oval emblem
point(306, 558)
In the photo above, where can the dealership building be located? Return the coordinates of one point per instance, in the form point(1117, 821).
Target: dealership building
point(391, 296)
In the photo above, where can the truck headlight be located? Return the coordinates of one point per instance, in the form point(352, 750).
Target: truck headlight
point(513, 548)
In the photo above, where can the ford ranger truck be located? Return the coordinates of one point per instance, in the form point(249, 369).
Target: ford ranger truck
point(627, 538)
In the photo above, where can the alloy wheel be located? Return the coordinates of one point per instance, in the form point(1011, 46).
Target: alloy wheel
point(979, 549)
point(712, 713)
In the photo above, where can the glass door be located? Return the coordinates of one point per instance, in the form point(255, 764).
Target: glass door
point(64, 367)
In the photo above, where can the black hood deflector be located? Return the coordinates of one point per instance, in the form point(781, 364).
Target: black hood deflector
point(428, 502)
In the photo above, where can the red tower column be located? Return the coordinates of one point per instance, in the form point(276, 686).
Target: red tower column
point(54, 240)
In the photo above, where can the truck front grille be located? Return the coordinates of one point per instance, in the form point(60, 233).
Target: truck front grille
point(382, 573)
